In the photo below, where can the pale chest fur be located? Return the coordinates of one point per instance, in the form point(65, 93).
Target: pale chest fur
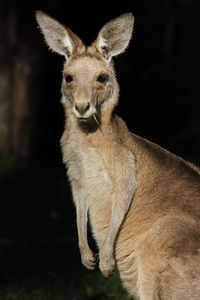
point(86, 165)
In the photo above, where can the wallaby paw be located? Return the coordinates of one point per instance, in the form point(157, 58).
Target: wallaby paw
point(106, 264)
point(88, 259)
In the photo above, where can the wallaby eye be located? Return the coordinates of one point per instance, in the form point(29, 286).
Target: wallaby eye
point(68, 78)
point(102, 78)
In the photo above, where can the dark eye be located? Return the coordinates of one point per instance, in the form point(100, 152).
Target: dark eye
point(102, 78)
point(68, 78)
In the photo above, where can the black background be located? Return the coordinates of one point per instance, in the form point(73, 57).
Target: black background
point(158, 75)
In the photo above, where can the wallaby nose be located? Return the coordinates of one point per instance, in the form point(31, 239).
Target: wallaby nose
point(82, 108)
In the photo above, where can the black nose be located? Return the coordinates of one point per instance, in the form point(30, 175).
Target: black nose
point(82, 108)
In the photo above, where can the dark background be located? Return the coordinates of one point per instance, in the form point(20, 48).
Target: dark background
point(159, 99)
point(158, 75)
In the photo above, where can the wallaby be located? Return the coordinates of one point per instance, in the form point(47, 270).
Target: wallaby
point(143, 201)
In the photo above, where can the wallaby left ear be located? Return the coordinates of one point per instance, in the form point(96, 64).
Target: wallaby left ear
point(59, 38)
point(115, 35)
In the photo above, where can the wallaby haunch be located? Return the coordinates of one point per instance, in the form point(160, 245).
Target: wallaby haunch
point(143, 201)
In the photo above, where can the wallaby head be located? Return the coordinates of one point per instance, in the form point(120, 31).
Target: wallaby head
point(89, 86)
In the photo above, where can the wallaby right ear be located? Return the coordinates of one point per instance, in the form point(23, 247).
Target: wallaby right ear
point(58, 37)
point(115, 35)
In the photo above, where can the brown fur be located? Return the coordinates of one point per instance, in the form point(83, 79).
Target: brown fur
point(143, 201)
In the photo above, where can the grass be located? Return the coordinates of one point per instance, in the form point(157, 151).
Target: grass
point(95, 118)
point(39, 256)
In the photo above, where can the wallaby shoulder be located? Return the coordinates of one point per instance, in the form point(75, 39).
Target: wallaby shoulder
point(151, 154)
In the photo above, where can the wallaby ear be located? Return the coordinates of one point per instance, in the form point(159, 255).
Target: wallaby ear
point(115, 35)
point(58, 37)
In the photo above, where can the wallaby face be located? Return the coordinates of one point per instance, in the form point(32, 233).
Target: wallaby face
point(89, 83)
point(143, 201)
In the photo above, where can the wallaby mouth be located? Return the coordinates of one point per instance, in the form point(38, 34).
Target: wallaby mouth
point(84, 119)
point(90, 124)
point(93, 117)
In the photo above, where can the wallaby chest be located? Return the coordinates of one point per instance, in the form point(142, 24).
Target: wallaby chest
point(87, 166)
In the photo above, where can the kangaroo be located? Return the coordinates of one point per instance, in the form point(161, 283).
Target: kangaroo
point(143, 201)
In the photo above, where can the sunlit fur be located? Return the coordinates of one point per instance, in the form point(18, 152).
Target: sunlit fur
point(143, 201)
